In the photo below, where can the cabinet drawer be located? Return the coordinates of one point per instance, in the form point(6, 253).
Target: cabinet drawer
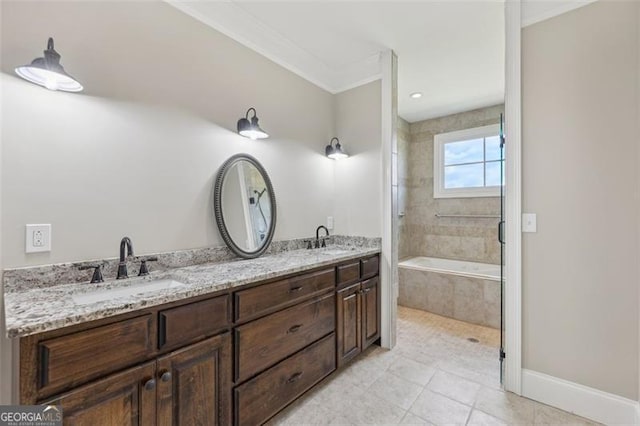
point(264, 342)
point(369, 267)
point(349, 273)
point(269, 297)
point(187, 323)
point(79, 357)
point(262, 397)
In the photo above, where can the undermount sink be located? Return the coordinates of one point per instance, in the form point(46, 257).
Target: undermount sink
point(132, 290)
point(335, 252)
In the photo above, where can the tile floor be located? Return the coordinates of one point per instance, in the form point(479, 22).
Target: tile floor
point(433, 376)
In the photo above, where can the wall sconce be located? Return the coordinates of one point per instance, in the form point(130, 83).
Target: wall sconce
point(335, 152)
point(251, 129)
point(48, 72)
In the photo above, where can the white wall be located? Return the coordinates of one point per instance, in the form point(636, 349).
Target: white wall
point(580, 175)
point(136, 154)
point(358, 179)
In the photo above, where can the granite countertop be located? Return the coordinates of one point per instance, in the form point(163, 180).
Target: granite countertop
point(35, 310)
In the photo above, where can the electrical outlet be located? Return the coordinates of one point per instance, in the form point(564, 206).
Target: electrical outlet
point(329, 222)
point(38, 238)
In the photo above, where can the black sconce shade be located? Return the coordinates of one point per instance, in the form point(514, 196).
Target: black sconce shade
point(48, 72)
point(335, 152)
point(251, 129)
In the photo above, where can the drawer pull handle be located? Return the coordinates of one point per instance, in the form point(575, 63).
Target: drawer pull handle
point(166, 376)
point(294, 377)
point(150, 384)
point(294, 289)
point(295, 328)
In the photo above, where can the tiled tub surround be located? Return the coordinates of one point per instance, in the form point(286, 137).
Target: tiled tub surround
point(423, 234)
point(467, 291)
point(36, 302)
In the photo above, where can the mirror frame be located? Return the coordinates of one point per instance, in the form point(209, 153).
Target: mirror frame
point(217, 206)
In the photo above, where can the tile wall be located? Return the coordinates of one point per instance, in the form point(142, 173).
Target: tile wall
point(420, 232)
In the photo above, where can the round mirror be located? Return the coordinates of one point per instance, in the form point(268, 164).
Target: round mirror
point(245, 206)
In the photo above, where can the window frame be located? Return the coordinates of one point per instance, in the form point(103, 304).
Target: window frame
point(439, 140)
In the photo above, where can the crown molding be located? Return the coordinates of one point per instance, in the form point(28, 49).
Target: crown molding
point(232, 20)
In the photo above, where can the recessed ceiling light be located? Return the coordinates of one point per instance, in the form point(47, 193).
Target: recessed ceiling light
point(416, 95)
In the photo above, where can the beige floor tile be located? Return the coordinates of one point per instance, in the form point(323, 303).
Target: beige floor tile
point(413, 371)
point(396, 390)
point(507, 406)
point(454, 387)
point(412, 419)
point(371, 410)
point(459, 369)
point(546, 415)
point(338, 394)
point(415, 352)
point(478, 418)
point(340, 420)
point(363, 374)
point(380, 357)
point(307, 414)
point(439, 409)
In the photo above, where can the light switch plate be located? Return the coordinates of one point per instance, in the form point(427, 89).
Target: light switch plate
point(529, 222)
point(38, 238)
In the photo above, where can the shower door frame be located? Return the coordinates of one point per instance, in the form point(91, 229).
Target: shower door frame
point(513, 200)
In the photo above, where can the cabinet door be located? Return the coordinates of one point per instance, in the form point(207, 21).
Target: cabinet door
point(349, 329)
point(127, 398)
point(194, 384)
point(370, 311)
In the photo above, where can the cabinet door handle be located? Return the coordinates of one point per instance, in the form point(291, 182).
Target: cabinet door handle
point(166, 376)
point(150, 384)
point(366, 290)
point(294, 377)
point(295, 328)
point(294, 289)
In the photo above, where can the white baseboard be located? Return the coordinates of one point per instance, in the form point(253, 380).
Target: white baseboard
point(581, 400)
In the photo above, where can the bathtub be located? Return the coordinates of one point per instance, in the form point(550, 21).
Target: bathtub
point(467, 291)
point(455, 267)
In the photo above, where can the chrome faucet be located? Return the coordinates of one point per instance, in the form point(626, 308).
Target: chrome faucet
point(122, 266)
point(318, 236)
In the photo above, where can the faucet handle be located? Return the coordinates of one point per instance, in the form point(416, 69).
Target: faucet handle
point(144, 270)
point(308, 244)
point(97, 272)
point(324, 242)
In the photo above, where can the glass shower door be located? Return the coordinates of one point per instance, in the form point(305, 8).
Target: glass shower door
point(501, 240)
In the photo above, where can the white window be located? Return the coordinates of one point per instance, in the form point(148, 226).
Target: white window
point(468, 163)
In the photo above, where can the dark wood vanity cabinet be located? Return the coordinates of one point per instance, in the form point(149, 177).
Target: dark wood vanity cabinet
point(358, 311)
point(119, 399)
point(186, 387)
point(236, 357)
point(194, 384)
